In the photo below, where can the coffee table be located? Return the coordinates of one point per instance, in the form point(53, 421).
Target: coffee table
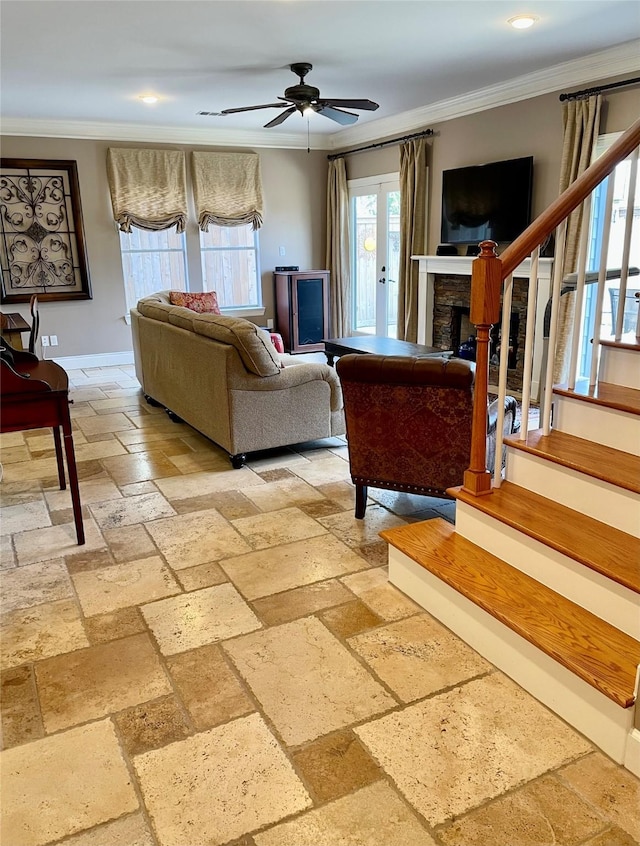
point(377, 345)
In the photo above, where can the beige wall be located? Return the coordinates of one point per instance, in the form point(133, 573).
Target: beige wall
point(294, 183)
point(528, 128)
point(294, 186)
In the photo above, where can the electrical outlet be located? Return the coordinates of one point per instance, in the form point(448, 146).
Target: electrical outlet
point(281, 251)
point(53, 339)
point(45, 340)
point(269, 324)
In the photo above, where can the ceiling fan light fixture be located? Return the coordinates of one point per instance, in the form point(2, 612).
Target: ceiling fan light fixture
point(523, 21)
point(149, 99)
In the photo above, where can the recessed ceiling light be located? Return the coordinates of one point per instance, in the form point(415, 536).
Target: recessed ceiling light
point(148, 98)
point(522, 21)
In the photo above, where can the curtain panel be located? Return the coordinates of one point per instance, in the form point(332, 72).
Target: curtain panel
point(148, 188)
point(338, 263)
point(227, 188)
point(581, 127)
point(413, 232)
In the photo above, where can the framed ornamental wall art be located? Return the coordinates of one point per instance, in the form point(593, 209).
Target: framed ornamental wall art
point(42, 247)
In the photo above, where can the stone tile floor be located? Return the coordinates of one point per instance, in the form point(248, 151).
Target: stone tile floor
point(224, 662)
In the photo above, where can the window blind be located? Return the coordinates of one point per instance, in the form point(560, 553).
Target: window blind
point(227, 188)
point(148, 188)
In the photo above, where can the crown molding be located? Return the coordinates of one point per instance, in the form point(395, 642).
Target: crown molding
point(103, 131)
point(603, 65)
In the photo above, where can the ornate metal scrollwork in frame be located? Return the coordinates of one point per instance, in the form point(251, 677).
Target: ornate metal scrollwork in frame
point(42, 248)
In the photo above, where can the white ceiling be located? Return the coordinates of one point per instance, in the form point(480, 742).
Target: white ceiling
point(70, 66)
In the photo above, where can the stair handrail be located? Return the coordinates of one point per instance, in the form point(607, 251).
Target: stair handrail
point(489, 272)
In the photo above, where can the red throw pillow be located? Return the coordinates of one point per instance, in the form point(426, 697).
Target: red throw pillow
point(206, 303)
point(276, 340)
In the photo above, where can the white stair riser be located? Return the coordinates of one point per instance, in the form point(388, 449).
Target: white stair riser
point(607, 426)
point(604, 502)
point(619, 366)
point(608, 600)
point(582, 706)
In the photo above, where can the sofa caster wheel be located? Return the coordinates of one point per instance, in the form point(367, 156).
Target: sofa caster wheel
point(237, 461)
point(174, 417)
point(151, 401)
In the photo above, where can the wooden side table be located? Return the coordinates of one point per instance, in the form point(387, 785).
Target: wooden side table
point(34, 394)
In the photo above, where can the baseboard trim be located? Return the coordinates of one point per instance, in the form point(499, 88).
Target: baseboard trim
point(632, 756)
point(80, 362)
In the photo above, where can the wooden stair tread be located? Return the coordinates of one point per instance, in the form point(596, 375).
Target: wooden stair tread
point(601, 462)
point(598, 653)
point(604, 393)
point(602, 548)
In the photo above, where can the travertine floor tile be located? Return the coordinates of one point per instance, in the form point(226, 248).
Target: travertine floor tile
point(36, 469)
point(152, 724)
point(117, 422)
point(284, 493)
point(56, 542)
point(127, 831)
point(129, 542)
point(287, 606)
point(292, 565)
point(204, 575)
point(200, 617)
point(306, 681)
point(94, 490)
point(127, 469)
point(21, 518)
point(210, 690)
point(100, 680)
point(218, 794)
point(476, 742)
point(276, 527)
point(336, 765)
point(33, 585)
point(358, 532)
point(418, 656)
point(14, 454)
point(98, 449)
point(131, 583)
point(129, 510)
point(325, 471)
point(376, 813)
point(541, 812)
point(93, 560)
point(7, 555)
point(188, 540)
point(610, 789)
point(113, 626)
point(21, 720)
point(31, 634)
point(200, 484)
point(373, 588)
point(612, 837)
point(196, 462)
point(63, 784)
point(231, 504)
point(350, 619)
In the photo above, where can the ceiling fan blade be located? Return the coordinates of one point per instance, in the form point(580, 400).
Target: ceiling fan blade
point(280, 118)
point(368, 105)
point(253, 108)
point(343, 118)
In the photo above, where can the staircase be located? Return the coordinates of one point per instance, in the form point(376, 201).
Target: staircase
point(541, 574)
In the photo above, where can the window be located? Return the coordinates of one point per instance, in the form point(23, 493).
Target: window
point(152, 261)
point(157, 261)
point(230, 265)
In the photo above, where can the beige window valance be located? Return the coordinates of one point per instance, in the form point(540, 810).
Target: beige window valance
point(228, 189)
point(148, 188)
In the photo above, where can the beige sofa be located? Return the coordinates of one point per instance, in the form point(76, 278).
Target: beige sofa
point(223, 376)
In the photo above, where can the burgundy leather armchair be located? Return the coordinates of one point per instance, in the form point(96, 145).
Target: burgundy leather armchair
point(408, 423)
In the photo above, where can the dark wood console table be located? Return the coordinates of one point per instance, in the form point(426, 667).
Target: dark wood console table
point(34, 394)
point(377, 345)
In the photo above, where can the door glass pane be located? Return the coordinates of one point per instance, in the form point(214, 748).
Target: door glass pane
point(365, 264)
point(393, 260)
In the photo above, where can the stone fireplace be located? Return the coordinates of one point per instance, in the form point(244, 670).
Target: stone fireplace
point(444, 294)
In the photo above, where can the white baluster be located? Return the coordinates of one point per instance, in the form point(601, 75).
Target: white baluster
point(624, 272)
point(602, 276)
point(532, 301)
point(558, 270)
point(505, 333)
point(579, 298)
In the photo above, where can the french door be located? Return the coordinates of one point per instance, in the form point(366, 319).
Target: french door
point(375, 254)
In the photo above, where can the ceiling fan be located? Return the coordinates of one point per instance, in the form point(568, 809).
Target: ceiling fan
point(300, 97)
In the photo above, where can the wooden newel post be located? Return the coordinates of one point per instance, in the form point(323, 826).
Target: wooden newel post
point(486, 282)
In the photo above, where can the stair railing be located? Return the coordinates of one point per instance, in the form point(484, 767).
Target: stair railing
point(491, 290)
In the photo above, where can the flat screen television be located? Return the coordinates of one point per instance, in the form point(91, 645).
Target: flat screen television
point(487, 202)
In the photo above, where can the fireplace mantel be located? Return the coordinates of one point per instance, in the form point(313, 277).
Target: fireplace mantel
point(430, 266)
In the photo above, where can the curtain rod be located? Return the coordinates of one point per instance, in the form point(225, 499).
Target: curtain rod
point(598, 88)
point(381, 144)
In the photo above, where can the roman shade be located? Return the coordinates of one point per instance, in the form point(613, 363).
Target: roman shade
point(227, 189)
point(148, 188)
